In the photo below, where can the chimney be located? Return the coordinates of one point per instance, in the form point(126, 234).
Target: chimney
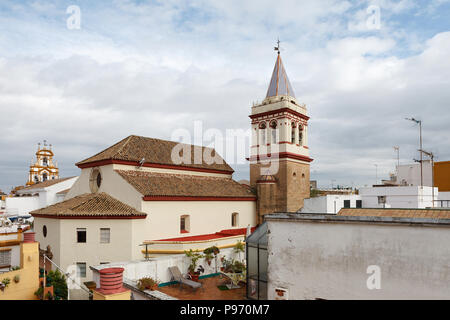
point(111, 285)
point(28, 237)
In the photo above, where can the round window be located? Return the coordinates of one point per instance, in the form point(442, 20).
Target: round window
point(95, 181)
point(44, 231)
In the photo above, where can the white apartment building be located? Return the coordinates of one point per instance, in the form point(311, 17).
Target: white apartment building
point(331, 203)
point(398, 197)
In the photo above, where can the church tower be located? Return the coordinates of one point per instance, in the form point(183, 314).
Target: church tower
point(44, 168)
point(279, 160)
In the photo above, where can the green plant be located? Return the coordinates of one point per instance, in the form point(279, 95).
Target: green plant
point(238, 267)
point(39, 293)
point(15, 268)
point(146, 283)
point(194, 256)
point(16, 278)
point(239, 247)
point(58, 281)
point(6, 282)
point(210, 253)
point(49, 296)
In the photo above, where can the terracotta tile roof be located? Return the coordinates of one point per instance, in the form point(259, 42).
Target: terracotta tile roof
point(181, 185)
point(45, 184)
point(89, 205)
point(396, 213)
point(154, 151)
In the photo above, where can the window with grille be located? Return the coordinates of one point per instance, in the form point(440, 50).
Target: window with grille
point(81, 235)
point(105, 234)
point(5, 258)
point(81, 269)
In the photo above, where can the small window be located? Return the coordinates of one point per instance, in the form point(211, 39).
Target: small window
point(262, 130)
point(235, 219)
point(273, 126)
point(300, 134)
point(44, 231)
point(5, 258)
point(105, 234)
point(81, 235)
point(293, 125)
point(45, 162)
point(381, 199)
point(44, 177)
point(346, 203)
point(359, 203)
point(81, 269)
point(184, 224)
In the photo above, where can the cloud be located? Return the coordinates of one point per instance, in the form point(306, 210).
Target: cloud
point(149, 68)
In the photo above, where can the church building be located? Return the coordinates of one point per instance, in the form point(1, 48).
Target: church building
point(279, 160)
point(43, 168)
point(133, 195)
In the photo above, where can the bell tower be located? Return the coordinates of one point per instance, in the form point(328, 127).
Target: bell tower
point(279, 158)
point(43, 168)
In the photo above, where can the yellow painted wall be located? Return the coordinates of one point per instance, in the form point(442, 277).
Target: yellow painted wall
point(442, 175)
point(28, 272)
point(126, 295)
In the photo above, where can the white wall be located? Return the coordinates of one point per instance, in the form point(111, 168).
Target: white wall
point(158, 268)
point(330, 260)
point(328, 203)
point(62, 237)
point(410, 173)
point(398, 197)
point(21, 205)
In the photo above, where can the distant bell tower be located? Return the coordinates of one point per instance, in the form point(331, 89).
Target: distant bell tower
point(43, 168)
point(279, 160)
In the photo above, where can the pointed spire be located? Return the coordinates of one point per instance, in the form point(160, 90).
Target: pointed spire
point(279, 84)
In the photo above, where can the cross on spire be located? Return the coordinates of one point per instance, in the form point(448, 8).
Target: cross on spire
point(277, 48)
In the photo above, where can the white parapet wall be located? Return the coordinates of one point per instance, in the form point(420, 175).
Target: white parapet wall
point(158, 267)
point(335, 257)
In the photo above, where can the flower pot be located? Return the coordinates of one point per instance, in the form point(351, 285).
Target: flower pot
point(48, 289)
point(194, 277)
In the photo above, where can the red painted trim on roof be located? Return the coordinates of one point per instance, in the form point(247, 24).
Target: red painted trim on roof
point(210, 236)
point(191, 198)
point(51, 216)
point(288, 110)
point(281, 155)
point(149, 165)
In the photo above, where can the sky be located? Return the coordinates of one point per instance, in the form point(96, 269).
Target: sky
point(85, 81)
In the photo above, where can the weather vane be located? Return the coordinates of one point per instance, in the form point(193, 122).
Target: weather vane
point(277, 48)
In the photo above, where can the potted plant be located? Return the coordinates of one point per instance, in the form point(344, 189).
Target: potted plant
point(210, 253)
point(39, 293)
point(239, 248)
point(194, 272)
point(147, 283)
point(226, 265)
point(6, 282)
point(16, 278)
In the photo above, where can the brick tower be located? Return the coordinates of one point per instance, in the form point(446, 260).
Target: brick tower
point(279, 160)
